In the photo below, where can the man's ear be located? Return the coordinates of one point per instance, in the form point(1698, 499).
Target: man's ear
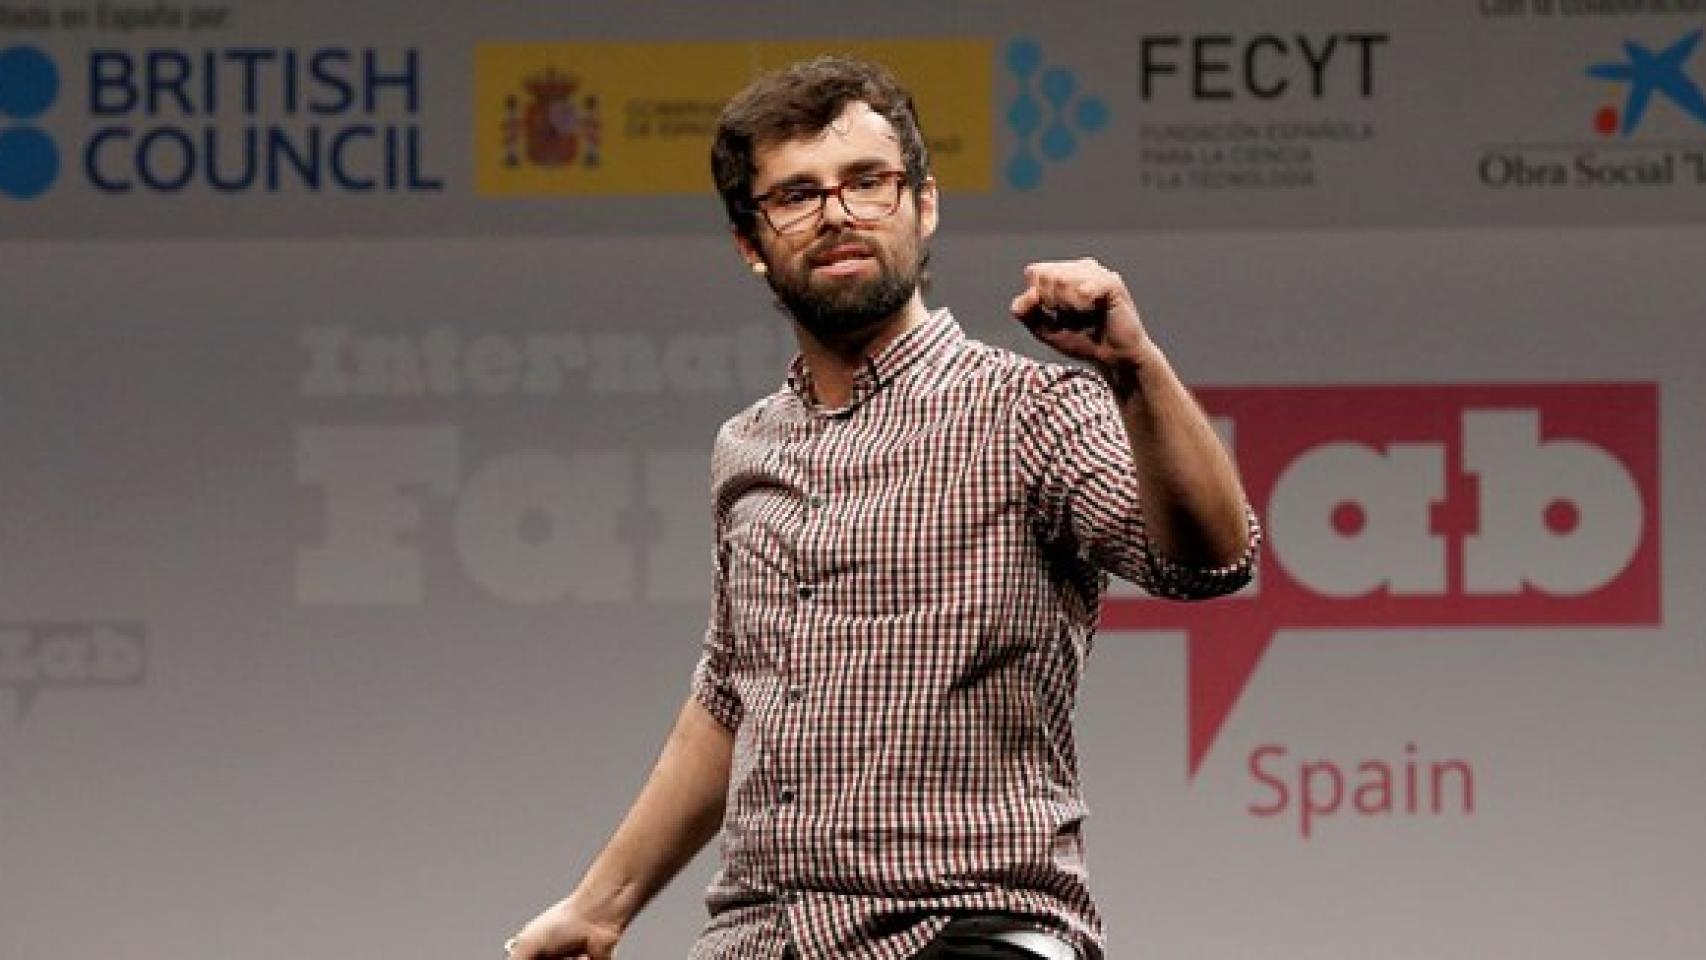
point(929, 207)
point(749, 252)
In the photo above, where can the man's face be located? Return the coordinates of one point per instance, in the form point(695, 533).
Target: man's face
point(843, 276)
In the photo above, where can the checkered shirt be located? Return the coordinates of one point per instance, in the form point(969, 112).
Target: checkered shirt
point(906, 592)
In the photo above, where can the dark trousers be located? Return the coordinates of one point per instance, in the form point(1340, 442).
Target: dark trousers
point(966, 939)
point(966, 950)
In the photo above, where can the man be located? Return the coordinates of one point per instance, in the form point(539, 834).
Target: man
point(911, 539)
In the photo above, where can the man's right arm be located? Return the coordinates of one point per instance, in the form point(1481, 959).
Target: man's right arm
point(677, 812)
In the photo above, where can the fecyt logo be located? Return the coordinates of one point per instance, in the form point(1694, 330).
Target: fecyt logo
point(1047, 115)
point(1647, 74)
point(1266, 66)
point(1427, 507)
point(29, 160)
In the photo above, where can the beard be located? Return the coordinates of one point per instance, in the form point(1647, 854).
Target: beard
point(839, 309)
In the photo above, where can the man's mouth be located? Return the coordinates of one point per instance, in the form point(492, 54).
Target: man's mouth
point(843, 258)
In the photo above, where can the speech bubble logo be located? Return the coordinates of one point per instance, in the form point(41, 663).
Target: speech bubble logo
point(1425, 507)
point(37, 656)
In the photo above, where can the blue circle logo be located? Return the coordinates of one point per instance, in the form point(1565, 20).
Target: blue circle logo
point(29, 82)
point(29, 161)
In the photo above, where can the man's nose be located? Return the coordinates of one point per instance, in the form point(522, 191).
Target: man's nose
point(834, 212)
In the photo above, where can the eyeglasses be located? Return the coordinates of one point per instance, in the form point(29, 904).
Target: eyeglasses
point(866, 196)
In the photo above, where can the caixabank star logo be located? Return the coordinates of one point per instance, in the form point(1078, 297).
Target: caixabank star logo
point(1646, 76)
point(1421, 508)
point(29, 158)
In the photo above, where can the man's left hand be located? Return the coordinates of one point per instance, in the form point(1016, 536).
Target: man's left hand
point(1083, 310)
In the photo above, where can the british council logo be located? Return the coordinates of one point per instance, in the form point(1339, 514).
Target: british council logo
point(29, 161)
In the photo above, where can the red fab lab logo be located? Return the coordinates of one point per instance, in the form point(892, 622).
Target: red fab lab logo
point(1425, 507)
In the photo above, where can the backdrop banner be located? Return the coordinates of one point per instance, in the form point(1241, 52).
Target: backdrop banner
point(360, 364)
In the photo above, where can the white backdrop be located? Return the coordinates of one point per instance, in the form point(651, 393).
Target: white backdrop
point(290, 779)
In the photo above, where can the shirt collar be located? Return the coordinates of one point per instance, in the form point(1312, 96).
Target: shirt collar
point(933, 337)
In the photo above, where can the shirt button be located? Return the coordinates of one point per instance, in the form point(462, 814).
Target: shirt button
point(806, 591)
point(785, 795)
point(796, 694)
point(816, 501)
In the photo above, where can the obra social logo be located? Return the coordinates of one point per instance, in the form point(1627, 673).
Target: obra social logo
point(29, 160)
point(1422, 508)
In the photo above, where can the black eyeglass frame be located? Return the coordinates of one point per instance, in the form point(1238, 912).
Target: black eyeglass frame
point(901, 178)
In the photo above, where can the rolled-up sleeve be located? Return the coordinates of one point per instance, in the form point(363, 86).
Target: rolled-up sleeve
point(1083, 491)
point(713, 686)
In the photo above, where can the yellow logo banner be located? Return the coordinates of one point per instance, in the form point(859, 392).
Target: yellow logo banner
point(556, 119)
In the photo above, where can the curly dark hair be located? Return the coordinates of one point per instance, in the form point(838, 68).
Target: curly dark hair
point(798, 101)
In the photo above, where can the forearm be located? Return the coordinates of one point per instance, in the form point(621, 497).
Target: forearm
point(1193, 504)
point(677, 812)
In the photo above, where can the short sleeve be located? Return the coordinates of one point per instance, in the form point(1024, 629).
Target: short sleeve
point(713, 684)
point(1082, 488)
